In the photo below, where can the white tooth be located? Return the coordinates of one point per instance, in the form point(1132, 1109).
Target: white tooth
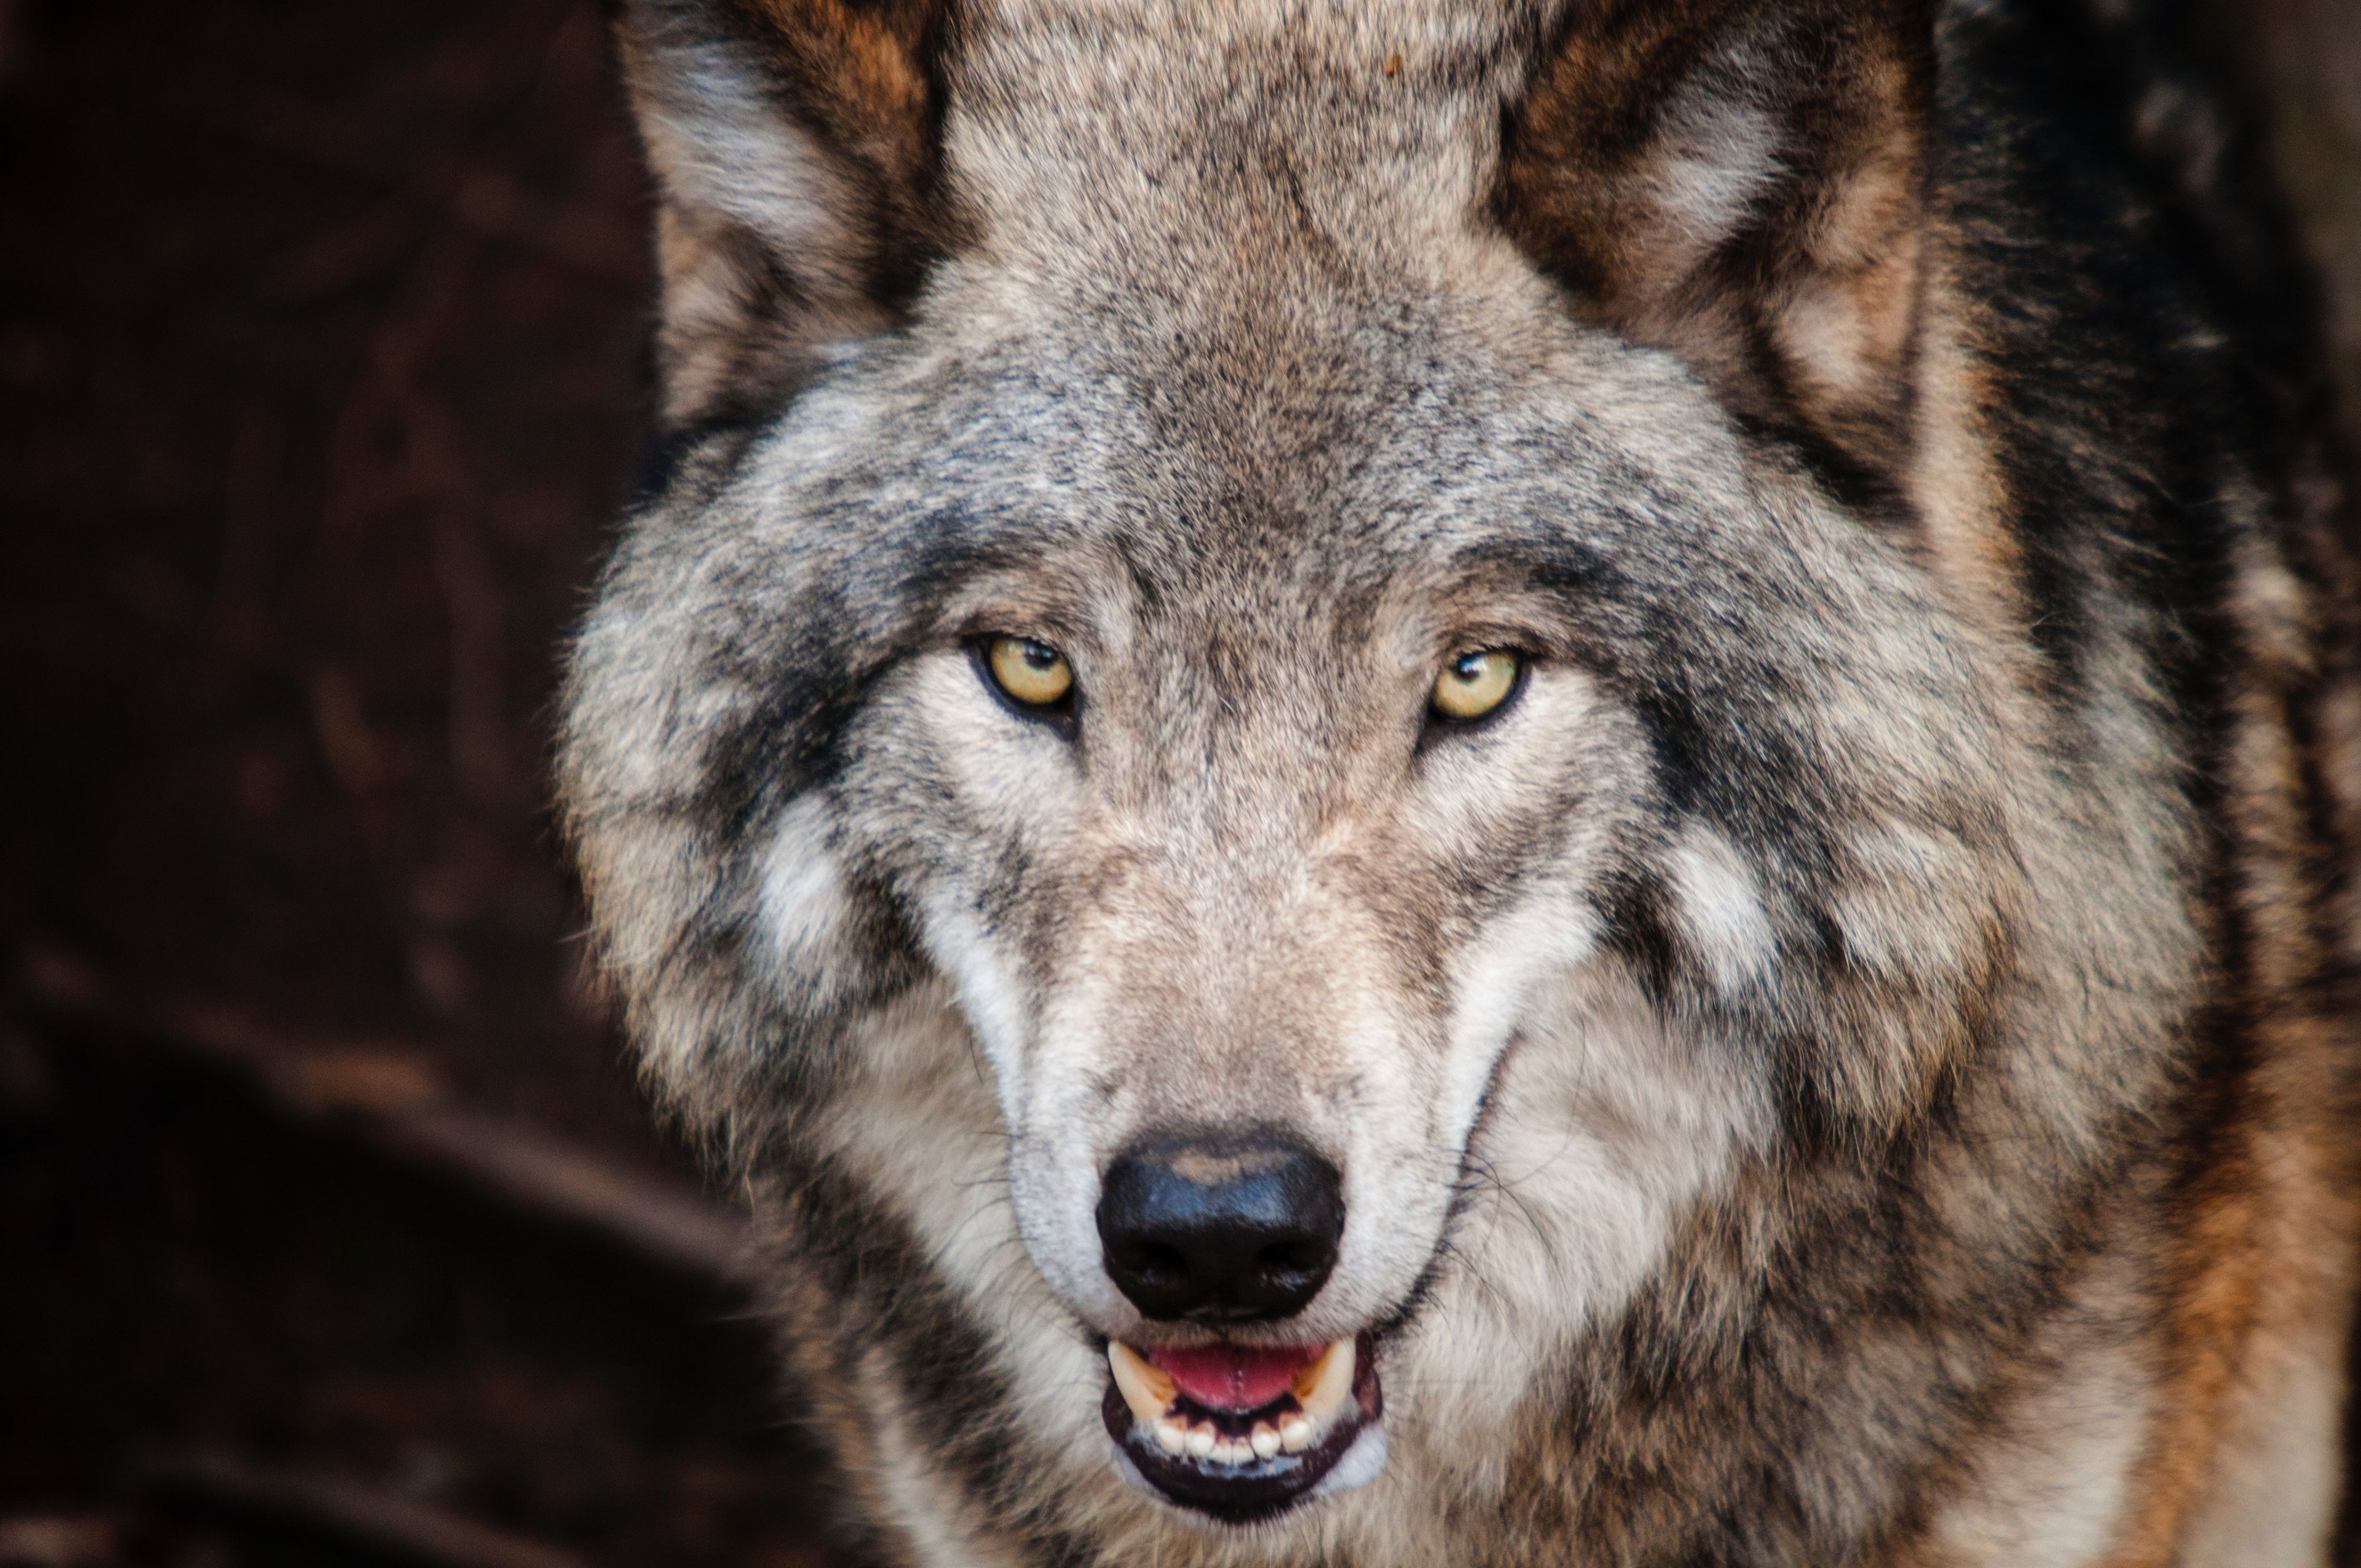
point(1295, 1434)
point(1200, 1441)
point(1147, 1390)
point(1171, 1435)
point(1265, 1441)
point(1326, 1383)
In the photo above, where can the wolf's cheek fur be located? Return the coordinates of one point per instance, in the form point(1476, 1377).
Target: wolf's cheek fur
point(803, 902)
point(1604, 1130)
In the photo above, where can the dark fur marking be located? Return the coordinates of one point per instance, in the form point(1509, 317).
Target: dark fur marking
point(868, 1260)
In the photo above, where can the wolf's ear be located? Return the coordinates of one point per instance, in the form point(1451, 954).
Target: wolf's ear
point(795, 146)
point(1741, 182)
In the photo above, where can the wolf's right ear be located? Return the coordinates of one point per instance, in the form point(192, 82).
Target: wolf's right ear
point(797, 150)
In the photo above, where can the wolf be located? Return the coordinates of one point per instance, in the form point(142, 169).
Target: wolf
point(1495, 781)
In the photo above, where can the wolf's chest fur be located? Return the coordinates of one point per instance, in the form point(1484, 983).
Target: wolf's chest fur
point(1496, 784)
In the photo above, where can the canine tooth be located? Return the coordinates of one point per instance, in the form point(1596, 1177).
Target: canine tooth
point(1200, 1441)
point(1265, 1440)
point(1144, 1389)
point(1326, 1383)
point(1295, 1434)
point(1171, 1435)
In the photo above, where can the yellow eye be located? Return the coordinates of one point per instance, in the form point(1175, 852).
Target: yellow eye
point(1033, 673)
point(1473, 685)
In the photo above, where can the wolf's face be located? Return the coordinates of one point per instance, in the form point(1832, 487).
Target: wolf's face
point(1262, 873)
point(1364, 794)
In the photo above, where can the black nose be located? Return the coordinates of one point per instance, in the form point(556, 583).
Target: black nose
point(1221, 1229)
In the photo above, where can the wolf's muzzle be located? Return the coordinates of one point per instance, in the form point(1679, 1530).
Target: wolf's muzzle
point(1217, 1229)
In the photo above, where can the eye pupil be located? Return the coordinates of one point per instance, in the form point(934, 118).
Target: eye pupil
point(1040, 655)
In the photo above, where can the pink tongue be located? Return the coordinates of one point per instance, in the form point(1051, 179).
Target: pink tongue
point(1235, 1377)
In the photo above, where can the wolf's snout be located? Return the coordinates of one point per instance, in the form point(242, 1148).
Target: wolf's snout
point(1220, 1230)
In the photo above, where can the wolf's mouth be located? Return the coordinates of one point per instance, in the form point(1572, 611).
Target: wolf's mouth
point(1242, 1432)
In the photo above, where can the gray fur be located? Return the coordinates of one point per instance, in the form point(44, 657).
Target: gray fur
point(1760, 1062)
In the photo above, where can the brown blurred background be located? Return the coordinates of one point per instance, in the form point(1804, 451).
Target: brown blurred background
point(331, 1229)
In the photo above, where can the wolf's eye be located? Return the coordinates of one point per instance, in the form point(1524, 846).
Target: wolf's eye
point(1473, 685)
point(1033, 673)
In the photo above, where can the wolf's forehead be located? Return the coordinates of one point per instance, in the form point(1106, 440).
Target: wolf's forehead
point(1163, 135)
point(1328, 472)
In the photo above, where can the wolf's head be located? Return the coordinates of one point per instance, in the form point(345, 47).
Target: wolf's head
point(1283, 655)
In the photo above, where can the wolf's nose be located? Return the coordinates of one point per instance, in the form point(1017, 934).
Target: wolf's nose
point(1220, 1229)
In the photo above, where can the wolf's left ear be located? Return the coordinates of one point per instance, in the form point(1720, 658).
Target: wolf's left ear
point(797, 150)
point(1740, 181)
